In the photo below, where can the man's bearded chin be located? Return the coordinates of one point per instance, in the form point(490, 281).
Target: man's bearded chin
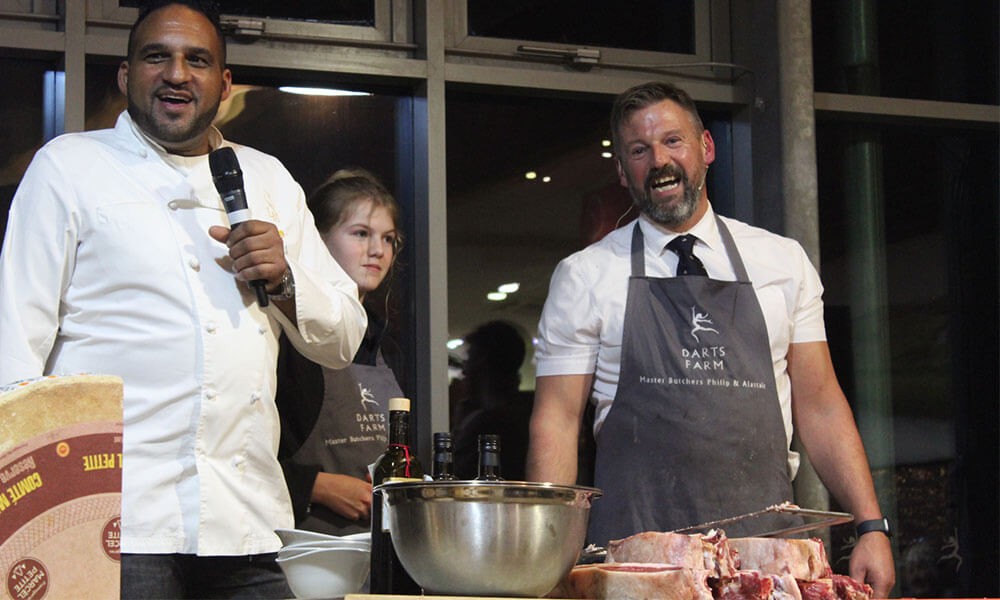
point(670, 215)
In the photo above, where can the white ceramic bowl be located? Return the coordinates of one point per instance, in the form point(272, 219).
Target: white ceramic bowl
point(325, 573)
point(297, 536)
point(310, 546)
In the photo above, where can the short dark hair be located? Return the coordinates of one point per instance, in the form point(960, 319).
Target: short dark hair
point(206, 7)
point(645, 94)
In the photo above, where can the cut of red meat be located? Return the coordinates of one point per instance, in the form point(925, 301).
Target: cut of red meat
point(847, 588)
point(785, 588)
point(673, 566)
point(696, 551)
point(802, 559)
point(819, 589)
point(744, 585)
point(633, 581)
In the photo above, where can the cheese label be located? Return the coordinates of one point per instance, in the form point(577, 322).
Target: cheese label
point(60, 512)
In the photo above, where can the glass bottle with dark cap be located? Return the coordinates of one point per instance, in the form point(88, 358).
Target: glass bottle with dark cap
point(489, 458)
point(443, 468)
point(397, 463)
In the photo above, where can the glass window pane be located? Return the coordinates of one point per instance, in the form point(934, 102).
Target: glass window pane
point(312, 135)
point(935, 222)
point(343, 12)
point(658, 26)
point(23, 113)
point(920, 50)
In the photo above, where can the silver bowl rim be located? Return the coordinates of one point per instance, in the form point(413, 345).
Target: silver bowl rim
point(476, 483)
point(488, 491)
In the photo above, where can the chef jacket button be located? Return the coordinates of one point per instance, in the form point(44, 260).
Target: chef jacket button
point(194, 263)
point(172, 205)
point(254, 397)
point(261, 329)
point(237, 462)
point(210, 394)
point(210, 327)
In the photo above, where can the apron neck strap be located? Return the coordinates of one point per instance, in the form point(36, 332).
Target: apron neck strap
point(734, 255)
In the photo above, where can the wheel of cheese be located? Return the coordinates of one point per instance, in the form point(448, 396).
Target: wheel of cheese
point(60, 487)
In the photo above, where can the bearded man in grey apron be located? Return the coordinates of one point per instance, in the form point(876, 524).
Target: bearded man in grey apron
point(683, 367)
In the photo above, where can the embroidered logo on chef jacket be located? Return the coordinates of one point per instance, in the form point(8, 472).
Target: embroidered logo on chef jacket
point(699, 322)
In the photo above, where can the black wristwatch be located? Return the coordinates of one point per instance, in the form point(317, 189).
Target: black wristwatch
point(874, 525)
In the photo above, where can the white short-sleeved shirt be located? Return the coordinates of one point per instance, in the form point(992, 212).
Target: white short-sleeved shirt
point(580, 331)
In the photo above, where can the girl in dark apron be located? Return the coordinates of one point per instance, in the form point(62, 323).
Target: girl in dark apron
point(695, 432)
point(334, 422)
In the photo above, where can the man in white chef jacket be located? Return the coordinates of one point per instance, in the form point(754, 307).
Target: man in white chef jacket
point(119, 259)
point(700, 340)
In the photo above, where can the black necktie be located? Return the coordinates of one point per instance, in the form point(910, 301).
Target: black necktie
point(688, 263)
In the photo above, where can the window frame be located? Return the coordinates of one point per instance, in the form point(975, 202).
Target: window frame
point(392, 24)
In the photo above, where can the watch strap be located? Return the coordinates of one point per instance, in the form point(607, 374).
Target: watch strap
point(286, 289)
point(874, 525)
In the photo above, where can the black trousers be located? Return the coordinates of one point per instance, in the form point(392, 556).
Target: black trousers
point(148, 576)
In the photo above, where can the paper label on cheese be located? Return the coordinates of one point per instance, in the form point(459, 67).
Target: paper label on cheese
point(60, 512)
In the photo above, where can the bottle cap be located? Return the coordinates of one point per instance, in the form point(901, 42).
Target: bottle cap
point(399, 404)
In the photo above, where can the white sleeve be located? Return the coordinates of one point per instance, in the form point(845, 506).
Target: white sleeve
point(330, 320)
point(569, 329)
point(807, 317)
point(36, 265)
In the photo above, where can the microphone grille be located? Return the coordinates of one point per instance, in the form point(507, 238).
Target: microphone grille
point(222, 161)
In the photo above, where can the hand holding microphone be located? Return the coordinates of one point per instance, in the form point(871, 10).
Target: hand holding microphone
point(228, 179)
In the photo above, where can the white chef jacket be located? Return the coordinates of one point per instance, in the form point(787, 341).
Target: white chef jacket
point(107, 267)
point(580, 331)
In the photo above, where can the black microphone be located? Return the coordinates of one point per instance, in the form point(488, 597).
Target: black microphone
point(228, 179)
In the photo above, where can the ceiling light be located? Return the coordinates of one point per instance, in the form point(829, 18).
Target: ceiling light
point(530, 175)
point(606, 143)
point(454, 343)
point(509, 288)
point(496, 296)
point(546, 179)
point(606, 155)
point(314, 91)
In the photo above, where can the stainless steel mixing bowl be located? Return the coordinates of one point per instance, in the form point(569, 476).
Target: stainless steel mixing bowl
point(487, 538)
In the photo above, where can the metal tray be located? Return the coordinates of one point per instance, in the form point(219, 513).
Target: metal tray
point(814, 519)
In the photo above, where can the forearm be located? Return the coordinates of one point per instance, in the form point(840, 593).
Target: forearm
point(837, 453)
point(555, 427)
point(826, 426)
point(552, 451)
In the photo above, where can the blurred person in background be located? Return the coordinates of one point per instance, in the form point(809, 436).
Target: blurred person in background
point(492, 402)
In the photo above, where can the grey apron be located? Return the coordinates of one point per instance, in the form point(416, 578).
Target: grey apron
point(695, 432)
point(350, 433)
